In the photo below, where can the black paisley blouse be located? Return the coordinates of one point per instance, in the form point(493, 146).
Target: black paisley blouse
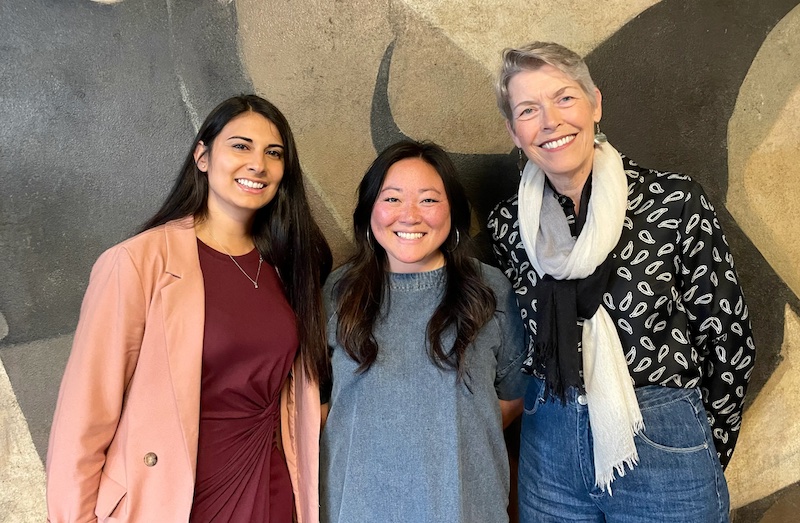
point(673, 295)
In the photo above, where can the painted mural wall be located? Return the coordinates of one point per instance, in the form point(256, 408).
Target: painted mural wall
point(100, 100)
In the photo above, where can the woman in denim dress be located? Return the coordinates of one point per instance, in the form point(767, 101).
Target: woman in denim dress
point(427, 345)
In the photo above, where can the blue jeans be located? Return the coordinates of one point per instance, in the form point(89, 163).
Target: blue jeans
point(678, 479)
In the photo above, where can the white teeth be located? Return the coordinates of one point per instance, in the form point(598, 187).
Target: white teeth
point(410, 235)
point(559, 142)
point(252, 185)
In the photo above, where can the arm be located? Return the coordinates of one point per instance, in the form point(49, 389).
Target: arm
point(324, 408)
point(510, 382)
point(511, 409)
point(326, 387)
point(720, 323)
point(104, 353)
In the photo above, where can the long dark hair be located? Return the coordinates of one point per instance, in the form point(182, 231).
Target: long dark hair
point(468, 303)
point(283, 231)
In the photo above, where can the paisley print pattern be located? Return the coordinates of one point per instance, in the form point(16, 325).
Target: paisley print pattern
point(673, 295)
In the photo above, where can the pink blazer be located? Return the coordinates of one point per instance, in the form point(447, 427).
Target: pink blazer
point(123, 444)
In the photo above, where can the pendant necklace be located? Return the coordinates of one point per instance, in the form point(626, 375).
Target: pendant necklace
point(260, 261)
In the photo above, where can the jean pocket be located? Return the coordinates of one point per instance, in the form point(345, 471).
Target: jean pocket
point(676, 424)
point(534, 395)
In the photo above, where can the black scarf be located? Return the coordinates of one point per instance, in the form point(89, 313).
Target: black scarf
point(559, 304)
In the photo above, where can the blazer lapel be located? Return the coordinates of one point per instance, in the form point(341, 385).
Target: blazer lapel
point(184, 320)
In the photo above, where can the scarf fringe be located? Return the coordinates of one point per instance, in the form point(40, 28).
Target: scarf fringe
point(604, 479)
point(544, 354)
point(603, 482)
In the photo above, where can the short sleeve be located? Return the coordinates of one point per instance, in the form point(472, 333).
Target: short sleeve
point(510, 382)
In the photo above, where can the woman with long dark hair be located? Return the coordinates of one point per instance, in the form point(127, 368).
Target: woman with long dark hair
point(198, 340)
point(426, 346)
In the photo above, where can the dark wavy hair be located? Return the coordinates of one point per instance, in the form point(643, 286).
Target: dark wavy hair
point(468, 303)
point(283, 231)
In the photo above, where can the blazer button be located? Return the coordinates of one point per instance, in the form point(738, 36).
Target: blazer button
point(150, 459)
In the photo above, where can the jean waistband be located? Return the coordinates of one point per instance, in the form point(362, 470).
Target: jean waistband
point(647, 396)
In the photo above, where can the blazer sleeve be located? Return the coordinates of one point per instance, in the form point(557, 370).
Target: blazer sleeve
point(104, 354)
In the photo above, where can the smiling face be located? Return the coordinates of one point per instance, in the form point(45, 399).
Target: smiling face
point(411, 216)
point(553, 122)
point(244, 167)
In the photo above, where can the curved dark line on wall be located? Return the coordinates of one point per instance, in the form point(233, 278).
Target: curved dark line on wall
point(483, 175)
point(688, 60)
point(385, 131)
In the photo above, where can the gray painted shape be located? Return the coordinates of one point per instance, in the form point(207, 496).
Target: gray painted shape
point(95, 129)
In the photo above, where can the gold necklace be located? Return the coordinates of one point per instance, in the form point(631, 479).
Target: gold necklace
point(260, 261)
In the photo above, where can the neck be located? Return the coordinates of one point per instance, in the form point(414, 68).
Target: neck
point(228, 236)
point(571, 186)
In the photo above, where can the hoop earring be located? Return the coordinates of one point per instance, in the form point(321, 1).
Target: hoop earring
point(369, 240)
point(458, 240)
point(521, 161)
point(599, 137)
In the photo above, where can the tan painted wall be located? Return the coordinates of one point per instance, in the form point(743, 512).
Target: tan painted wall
point(318, 60)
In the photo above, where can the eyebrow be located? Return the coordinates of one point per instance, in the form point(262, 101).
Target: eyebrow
point(398, 189)
point(561, 91)
point(249, 140)
point(555, 95)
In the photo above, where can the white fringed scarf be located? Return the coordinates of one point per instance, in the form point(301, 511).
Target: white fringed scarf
point(613, 410)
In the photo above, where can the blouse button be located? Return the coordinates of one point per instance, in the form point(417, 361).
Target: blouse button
point(150, 459)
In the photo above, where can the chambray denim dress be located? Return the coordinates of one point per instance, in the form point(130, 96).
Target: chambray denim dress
point(404, 441)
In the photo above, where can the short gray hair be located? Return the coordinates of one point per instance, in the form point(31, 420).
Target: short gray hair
point(531, 57)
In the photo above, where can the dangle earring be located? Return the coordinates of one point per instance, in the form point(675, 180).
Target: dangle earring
point(599, 136)
point(521, 161)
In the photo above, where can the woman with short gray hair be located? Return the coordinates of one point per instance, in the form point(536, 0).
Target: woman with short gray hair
point(640, 345)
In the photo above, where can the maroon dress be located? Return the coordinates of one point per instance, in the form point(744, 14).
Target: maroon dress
point(250, 341)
